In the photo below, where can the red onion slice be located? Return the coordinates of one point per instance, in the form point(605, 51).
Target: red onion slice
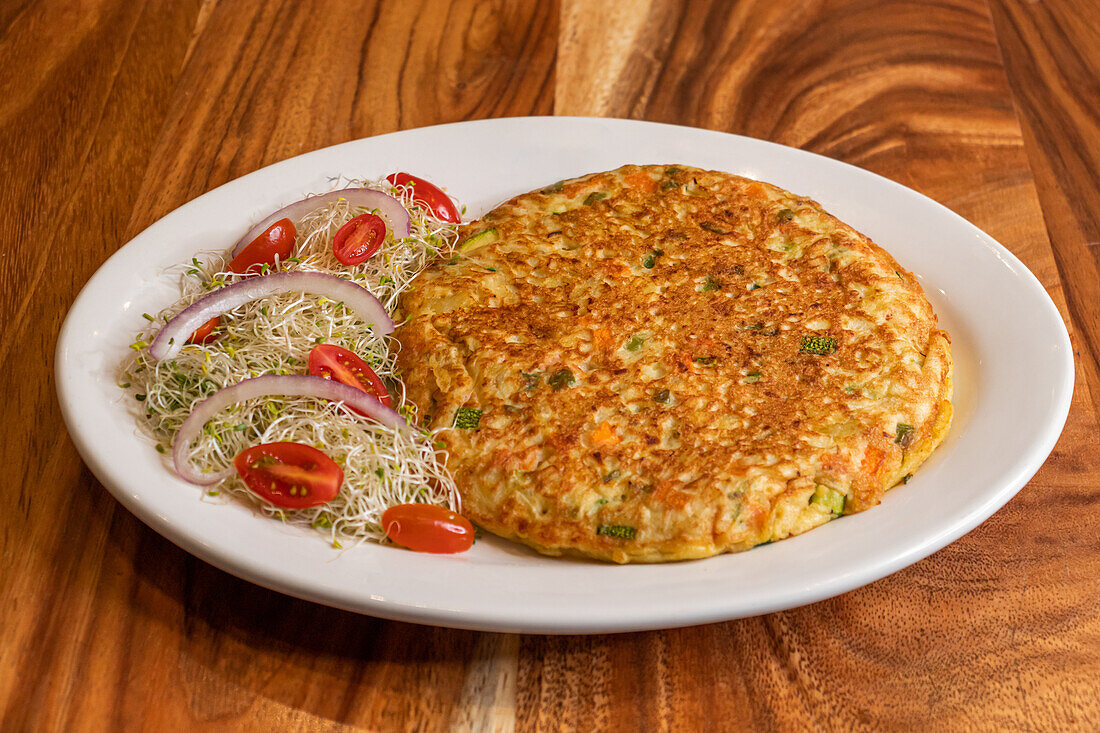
point(284, 386)
point(389, 208)
point(176, 332)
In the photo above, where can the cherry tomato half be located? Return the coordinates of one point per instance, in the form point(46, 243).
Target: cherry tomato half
point(290, 475)
point(335, 362)
point(359, 239)
point(429, 196)
point(277, 239)
point(204, 334)
point(428, 528)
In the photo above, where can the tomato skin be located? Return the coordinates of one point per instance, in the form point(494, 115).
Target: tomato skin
point(360, 238)
point(429, 196)
point(277, 239)
point(428, 528)
point(330, 361)
point(205, 334)
point(290, 475)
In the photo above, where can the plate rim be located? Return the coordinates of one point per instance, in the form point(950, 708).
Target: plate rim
point(488, 620)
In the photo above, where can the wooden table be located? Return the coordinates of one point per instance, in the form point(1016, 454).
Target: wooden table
point(115, 112)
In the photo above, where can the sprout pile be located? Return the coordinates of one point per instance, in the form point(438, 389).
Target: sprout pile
point(274, 335)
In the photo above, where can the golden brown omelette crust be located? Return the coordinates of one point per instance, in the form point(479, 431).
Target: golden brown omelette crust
point(672, 363)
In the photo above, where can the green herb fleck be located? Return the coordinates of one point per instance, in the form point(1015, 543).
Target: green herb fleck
point(711, 284)
point(784, 215)
point(530, 381)
point(594, 197)
point(600, 503)
point(618, 531)
point(905, 435)
point(672, 171)
point(712, 227)
point(906, 477)
point(820, 345)
point(704, 360)
point(752, 377)
point(663, 396)
point(634, 343)
point(554, 188)
point(467, 418)
point(754, 286)
point(561, 379)
point(609, 477)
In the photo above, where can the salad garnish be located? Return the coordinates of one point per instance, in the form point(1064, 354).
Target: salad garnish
point(279, 351)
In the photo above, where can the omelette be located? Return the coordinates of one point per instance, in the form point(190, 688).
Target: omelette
point(661, 363)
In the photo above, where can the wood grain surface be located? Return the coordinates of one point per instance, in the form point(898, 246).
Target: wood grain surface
point(113, 113)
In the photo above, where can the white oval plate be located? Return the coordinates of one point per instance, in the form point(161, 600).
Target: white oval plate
point(1013, 382)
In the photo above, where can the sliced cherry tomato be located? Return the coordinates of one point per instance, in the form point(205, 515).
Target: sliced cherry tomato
point(290, 475)
point(335, 362)
point(429, 196)
point(277, 239)
point(204, 334)
point(357, 240)
point(428, 528)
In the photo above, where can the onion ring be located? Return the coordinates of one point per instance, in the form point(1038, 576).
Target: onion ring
point(176, 332)
point(283, 385)
point(389, 208)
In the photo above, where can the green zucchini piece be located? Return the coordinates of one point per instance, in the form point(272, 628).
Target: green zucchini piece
point(830, 499)
point(489, 236)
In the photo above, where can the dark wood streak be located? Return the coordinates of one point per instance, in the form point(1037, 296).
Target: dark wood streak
point(919, 97)
point(66, 125)
point(256, 84)
point(1057, 91)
